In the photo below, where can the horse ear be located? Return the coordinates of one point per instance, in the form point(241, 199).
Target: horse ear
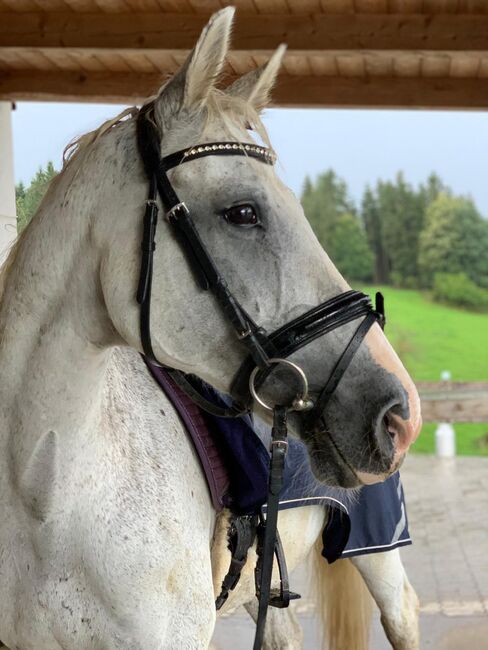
point(190, 86)
point(256, 86)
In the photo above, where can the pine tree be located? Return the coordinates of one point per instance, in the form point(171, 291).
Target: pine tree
point(351, 253)
point(402, 217)
point(29, 199)
point(332, 215)
point(371, 216)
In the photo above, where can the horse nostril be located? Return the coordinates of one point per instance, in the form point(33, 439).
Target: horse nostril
point(401, 431)
point(389, 427)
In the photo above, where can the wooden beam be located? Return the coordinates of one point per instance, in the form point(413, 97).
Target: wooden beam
point(291, 91)
point(258, 33)
point(382, 92)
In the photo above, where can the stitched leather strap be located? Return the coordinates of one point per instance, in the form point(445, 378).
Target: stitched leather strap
point(233, 411)
point(148, 247)
point(341, 367)
point(294, 335)
point(279, 448)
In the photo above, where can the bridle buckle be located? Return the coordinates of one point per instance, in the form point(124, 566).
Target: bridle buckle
point(243, 335)
point(172, 213)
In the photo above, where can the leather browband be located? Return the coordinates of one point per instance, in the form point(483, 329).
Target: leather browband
point(220, 149)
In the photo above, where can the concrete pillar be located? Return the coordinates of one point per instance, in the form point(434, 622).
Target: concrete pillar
point(8, 221)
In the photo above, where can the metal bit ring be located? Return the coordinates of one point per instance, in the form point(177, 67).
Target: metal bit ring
point(302, 401)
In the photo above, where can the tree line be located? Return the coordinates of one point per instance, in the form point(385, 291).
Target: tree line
point(424, 237)
point(28, 198)
point(403, 236)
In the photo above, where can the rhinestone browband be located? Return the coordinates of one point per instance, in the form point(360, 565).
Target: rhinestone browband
point(219, 148)
point(208, 148)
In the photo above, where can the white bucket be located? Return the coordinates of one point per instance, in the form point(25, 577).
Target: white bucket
point(445, 441)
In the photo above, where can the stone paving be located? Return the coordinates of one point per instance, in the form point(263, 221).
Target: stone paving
point(447, 502)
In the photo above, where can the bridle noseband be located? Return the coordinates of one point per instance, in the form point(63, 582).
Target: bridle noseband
point(264, 350)
point(261, 346)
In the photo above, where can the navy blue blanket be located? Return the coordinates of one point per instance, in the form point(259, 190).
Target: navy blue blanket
point(371, 520)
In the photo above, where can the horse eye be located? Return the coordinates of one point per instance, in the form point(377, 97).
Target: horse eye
point(242, 215)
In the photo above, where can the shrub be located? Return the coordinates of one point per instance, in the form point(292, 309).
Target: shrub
point(454, 240)
point(403, 282)
point(458, 289)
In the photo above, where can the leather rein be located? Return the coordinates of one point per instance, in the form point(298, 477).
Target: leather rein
point(264, 350)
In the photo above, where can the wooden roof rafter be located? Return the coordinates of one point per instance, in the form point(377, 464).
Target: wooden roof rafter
point(354, 53)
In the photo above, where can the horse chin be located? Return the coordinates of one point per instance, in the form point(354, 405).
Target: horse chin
point(328, 466)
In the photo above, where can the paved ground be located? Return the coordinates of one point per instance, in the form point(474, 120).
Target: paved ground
point(447, 505)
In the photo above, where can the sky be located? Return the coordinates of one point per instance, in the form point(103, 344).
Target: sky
point(360, 145)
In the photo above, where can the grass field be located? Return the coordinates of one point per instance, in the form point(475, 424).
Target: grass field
point(431, 338)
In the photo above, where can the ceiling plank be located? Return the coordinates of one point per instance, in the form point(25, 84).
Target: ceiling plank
point(304, 91)
point(302, 33)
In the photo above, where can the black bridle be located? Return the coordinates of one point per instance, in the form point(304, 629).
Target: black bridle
point(264, 350)
point(260, 345)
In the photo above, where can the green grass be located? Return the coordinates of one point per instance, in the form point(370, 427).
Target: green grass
point(430, 338)
point(471, 439)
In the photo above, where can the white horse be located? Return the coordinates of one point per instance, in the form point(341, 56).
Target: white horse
point(106, 522)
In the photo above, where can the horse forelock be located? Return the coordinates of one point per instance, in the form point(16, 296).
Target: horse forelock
point(228, 115)
point(235, 113)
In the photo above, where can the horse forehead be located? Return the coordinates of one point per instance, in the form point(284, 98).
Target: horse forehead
point(235, 173)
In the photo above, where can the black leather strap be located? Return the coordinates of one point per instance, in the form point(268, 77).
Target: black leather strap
point(341, 367)
point(200, 261)
point(264, 569)
point(204, 267)
point(380, 309)
point(148, 246)
point(281, 598)
point(233, 411)
point(294, 335)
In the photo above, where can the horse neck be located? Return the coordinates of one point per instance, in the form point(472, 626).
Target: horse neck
point(54, 331)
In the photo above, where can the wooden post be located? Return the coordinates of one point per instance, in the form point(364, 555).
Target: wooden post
point(8, 221)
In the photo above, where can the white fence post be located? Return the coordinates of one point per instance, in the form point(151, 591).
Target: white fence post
point(445, 436)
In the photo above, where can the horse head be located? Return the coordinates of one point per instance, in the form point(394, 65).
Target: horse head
point(262, 244)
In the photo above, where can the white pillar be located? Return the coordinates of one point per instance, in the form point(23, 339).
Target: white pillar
point(8, 221)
